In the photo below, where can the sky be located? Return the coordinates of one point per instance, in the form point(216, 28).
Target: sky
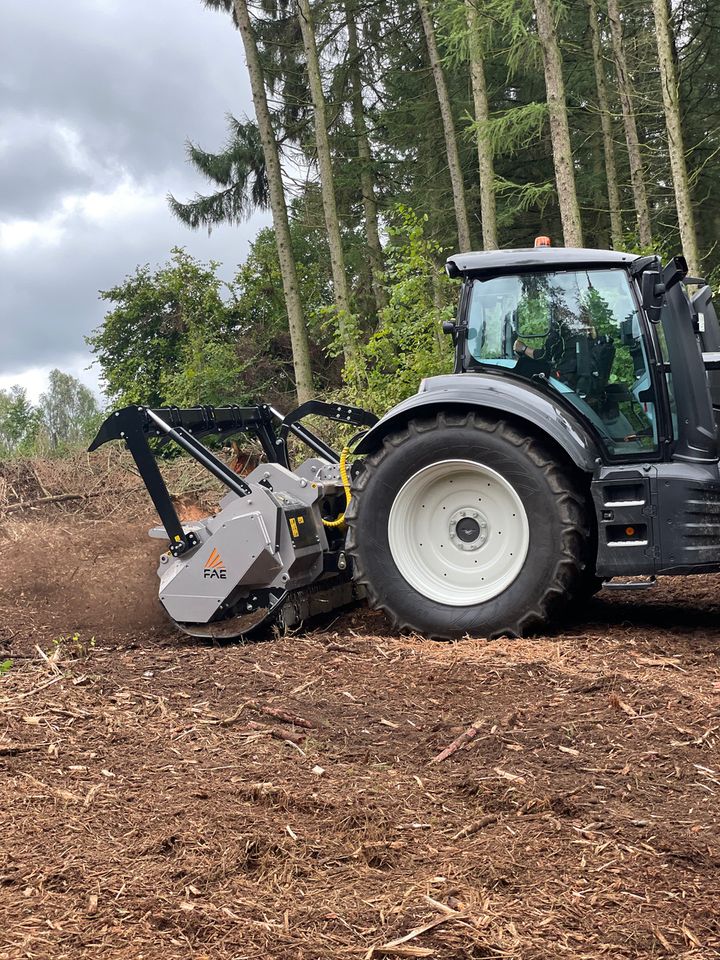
point(97, 100)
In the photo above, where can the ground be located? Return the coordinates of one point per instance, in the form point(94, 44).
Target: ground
point(162, 797)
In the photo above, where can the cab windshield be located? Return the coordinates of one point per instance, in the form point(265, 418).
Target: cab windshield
point(581, 332)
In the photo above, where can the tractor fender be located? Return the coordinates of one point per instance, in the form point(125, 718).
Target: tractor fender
point(491, 394)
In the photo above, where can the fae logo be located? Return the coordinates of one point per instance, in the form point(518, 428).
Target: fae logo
point(215, 568)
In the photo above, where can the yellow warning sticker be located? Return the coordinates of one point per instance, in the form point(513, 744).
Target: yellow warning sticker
point(294, 527)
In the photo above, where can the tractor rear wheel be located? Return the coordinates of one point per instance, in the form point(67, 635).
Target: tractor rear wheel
point(466, 525)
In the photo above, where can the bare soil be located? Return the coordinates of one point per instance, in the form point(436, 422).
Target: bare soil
point(152, 805)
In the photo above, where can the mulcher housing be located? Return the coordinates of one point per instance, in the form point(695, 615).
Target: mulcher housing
point(576, 442)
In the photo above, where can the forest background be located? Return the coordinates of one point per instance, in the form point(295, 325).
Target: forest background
point(388, 134)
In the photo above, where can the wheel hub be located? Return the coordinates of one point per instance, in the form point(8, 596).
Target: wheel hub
point(458, 532)
point(468, 529)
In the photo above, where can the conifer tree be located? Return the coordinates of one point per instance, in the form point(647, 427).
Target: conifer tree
point(559, 126)
point(276, 196)
point(367, 177)
point(448, 122)
point(637, 173)
point(613, 187)
point(327, 180)
point(676, 144)
point(486, 164)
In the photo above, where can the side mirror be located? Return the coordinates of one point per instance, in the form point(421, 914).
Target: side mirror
point(654, 285)
point(449, 328)
point(652, 290)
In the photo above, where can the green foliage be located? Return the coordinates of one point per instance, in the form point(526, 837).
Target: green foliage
point(180, 335)
point(408, 343)
point(68, 412)
point(77, 646)
point(5, 667)
point(522, 197)
point(19, 423)
point(515, 20)
point(163, 324)
point(514, 129)
point(238, 169)
point(65, 418)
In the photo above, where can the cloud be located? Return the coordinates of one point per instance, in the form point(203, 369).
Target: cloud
point(96, 102)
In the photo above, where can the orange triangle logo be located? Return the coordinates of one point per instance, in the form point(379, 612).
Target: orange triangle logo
point(214, 561)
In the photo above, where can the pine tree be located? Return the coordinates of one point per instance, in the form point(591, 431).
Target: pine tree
point(637, 174)
point(486, 165)
point(367, 177)
point(448, 122)
point(559, 126)
point(613, 187)
point(276, 195)
point(240, 172)
point(327, 181)
point(676, 145)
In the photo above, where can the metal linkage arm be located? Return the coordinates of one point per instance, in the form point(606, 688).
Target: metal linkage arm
point(341, 412)
point(200, 422)
point(129, 425)
point(135, 425)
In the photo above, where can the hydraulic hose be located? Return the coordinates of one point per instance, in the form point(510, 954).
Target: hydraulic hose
point(339, 521)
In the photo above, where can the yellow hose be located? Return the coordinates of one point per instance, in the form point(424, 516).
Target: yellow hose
point(339, 521)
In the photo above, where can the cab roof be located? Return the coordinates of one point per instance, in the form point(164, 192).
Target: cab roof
point(495, 262)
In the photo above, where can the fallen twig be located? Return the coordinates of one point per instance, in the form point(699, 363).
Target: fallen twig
point(459, 742)
point(276, 732)
point(396, 946)
point(12, 751)
point(63, 498)
point(284, 716)
point(475, 826)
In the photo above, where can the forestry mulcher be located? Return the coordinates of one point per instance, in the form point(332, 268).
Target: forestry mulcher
point(574, 447)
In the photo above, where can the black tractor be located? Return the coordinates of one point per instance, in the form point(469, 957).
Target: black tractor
point(573, 448)
point(575, 443)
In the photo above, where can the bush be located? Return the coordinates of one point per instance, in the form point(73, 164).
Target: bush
point(409, 343)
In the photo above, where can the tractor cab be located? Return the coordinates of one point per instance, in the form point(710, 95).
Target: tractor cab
point(596, 329)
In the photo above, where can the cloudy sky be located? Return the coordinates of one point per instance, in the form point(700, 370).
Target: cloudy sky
point(97, 98)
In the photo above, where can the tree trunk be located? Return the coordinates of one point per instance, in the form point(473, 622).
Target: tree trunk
point(367, 177)
point(453, 158)
point(637, 175)
point(291, 288)
point(486, 165)
point(327, 181)
point(600, 230)
point(613, 189)
point(676, 147)
point(559, 127)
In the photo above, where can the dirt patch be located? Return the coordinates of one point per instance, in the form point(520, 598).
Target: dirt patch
point(62, 578)
point(167, 798)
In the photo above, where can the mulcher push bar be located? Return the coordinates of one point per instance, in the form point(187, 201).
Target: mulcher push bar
point(185, 427)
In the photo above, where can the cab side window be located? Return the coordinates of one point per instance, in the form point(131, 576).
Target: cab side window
point(581, 332)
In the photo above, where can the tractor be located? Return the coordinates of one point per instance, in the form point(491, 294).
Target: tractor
point(574, 448)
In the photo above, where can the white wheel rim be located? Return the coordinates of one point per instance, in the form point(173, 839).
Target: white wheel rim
point(458, 565)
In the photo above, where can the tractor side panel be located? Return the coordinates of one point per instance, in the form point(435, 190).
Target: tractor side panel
point(663, 518)
point(689, 518)
point(627, 523)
